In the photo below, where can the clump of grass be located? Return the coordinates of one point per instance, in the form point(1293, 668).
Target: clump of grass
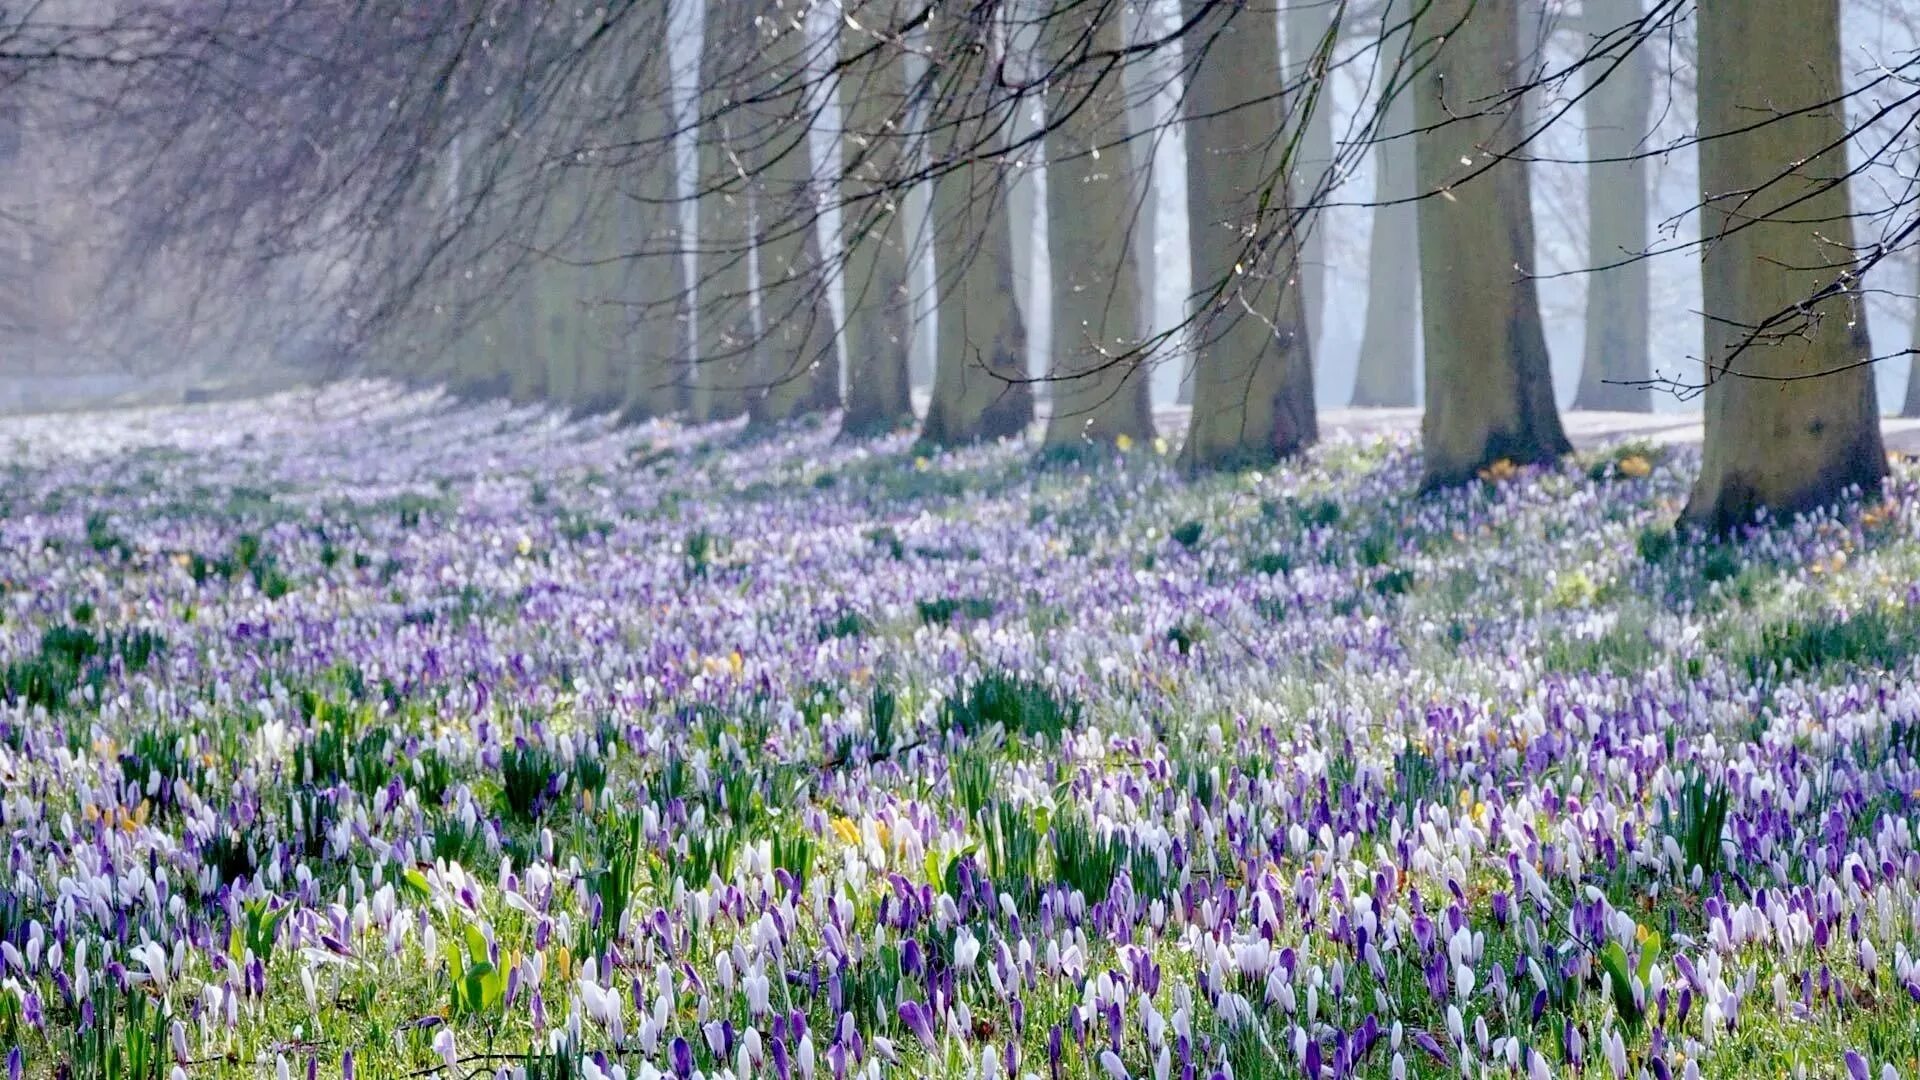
point(1696, 818)
point(1874, 637)
point(1655, 544)
point(1187, 534)
point(251, 557)
point(1395, 582)
point(1184, 636)
point(1376, 549)
point(1084, 860)
point(372, 765)
point(971, 776)
point(1015, 703)
point(710, 854)
point(611, 884)
point(155, 763)
point(228, 854)
point(882, 709)
point(1317, 514)
point(1012, 843)
point(1271, 563)
point(71, 656)
point(795, 853)
point(456, 841)
point(432, 776)
point(941, 612)
point(321, 761)
point(847, 624)
point(127, 1039)
point(530, 777)
point(1720, 563)
point(103, 539)
point(884, 536)
point(702, 551)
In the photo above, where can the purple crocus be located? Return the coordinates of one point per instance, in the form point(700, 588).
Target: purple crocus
point(919, 1021)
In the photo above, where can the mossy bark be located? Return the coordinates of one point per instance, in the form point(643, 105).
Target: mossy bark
point(1791, 415)
point(1489, 386)
point(1617, 365)
point(980, 389)
point(876, 116)
point(1253, 365)
point(1099, 382)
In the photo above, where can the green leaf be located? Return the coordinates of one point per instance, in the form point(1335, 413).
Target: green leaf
point(476, 943)
point(1613, 959)
point(950, 878)
point(416, 882)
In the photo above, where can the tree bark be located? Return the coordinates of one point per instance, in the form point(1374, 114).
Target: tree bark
point(1142, 75)
point(721, 374)
point(1489, 386)
point(600, 297)
point(560, 288)
point(876, 112)
point(1100, 387)
point(1791, 415)
point(1388, 340)
point(1253, 365)
point(980, 389)
point(797, 366)
point(1911, 407)
point(1615, 370)
point(654, 348)
point(1307, 22)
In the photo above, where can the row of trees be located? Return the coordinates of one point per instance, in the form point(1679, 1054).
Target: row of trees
point(576, 206)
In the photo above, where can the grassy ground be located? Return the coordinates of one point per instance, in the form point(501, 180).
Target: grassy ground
point(382, 736)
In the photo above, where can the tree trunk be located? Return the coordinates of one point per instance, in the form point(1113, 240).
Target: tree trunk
point(875, 111)
point(980, 390)
point(1100, 387)
point(797, 368)
point(1911, 407)
point(1253, 365)
point(1489, 386)
point(1307, 22)
point(1615, 370)
point(1142, 74)
point(1388, 342)
point(654, 347)
point(601, 278)
point(1791, 415)
point(720, 375)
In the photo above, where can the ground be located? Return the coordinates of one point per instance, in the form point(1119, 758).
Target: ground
point(357, 732)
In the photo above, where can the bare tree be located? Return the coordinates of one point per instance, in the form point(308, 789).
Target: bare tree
point(1311, 29)
point(980, 390)
point(1614, 372)
point(1253, 372)
point(1489, 386)
point(1100, 391)
point(878, 122)
point(795, 352)
point(1388, 338)
point(722, 374)
point(1791, 414)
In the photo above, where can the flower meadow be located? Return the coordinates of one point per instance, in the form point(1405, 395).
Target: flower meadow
point(361, 733)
